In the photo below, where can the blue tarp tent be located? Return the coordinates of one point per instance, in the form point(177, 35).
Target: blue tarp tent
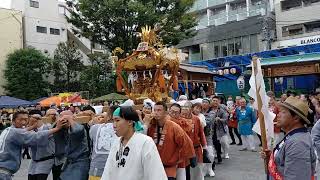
point(11, 102)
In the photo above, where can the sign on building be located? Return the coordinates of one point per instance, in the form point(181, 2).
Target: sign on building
point(300, 41)
point(240, 82)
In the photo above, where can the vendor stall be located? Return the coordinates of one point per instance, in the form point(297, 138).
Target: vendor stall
point(195, 80)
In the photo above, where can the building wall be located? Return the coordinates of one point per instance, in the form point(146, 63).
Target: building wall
point(234, 38)
point(227, 28)
point(46, 15)
point(11, 37)
point(300, 14)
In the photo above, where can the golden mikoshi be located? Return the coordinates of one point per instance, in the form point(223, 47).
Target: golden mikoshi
point(151, 69)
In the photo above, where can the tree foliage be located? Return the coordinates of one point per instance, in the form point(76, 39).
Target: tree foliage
point(115, 23)
point(66, 67)
point(97, 77)
point(25, 73)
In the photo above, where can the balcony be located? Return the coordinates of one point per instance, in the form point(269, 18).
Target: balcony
point(256, 10)
point(212, 3)
point(238, 14)
point(198, 5)
point(219, 19)
point(203, 22)
point(216, 2)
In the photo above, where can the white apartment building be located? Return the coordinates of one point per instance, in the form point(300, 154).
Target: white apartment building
point(297, 22)
point(45, 26)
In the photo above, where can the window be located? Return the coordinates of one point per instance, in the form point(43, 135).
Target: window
point(41, 29)
point(224, 48)
point(237, 46)
point(34, 4)
point(312, 26)
point(217, 49)
point(54, 31)
point(292, 30)
point(195, 54)
point(207, 50)
point(246, 44)
point(254, 46)
point(231, 47)
point(310, 2)
point(290, 4)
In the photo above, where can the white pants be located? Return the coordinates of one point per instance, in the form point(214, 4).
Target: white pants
point(224, 140)
point(207, 167)
point(196, 173)
point(181, 174)
point(248, 141)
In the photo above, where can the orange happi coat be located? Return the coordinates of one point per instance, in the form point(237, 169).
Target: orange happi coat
point(187, 127)
point(172, 143)
point(198, 138)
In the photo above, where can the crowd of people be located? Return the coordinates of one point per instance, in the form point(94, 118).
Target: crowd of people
point(183, 140)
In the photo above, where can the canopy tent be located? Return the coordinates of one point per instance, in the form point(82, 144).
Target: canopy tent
point(111, 97)
point(58, 100)
point(38, 100)
point(11, 102)
point(284, 60)
point(50, 100)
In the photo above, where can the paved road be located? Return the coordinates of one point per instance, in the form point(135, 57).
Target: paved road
point(240, 166)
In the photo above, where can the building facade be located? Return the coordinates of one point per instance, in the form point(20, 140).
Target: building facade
point(11, 37)
point(228, 28)
point(45, 26)
point(297, 22)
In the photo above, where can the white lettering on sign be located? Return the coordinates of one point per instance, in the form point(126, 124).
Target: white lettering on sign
point(310, 41)
point(300, 41)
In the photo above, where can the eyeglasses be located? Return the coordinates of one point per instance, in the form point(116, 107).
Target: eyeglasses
point(174, 112)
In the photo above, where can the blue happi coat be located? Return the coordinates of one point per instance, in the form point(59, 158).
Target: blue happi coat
point(246, 120)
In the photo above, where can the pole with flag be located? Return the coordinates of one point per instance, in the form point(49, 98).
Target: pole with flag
point(264, 125)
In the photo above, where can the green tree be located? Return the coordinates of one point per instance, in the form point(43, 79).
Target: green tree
point(66, 67)
point(115, 23)
point(97, 77)
point(25, 73)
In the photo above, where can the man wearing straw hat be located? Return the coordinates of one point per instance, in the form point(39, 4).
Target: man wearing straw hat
point(294, 157)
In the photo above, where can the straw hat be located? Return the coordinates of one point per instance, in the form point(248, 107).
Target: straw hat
point(298, 106)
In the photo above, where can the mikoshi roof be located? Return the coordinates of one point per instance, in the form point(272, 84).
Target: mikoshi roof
point(110, 97)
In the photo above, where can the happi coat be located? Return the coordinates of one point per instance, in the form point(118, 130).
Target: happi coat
point(198, 138)
point(172, 143)
point(187, 127)
point(102, 136)
point(42, 156)
point(13, 140)
point(137, 160)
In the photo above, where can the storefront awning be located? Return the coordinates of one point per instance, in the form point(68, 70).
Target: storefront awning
point(195, 68)
point(290, 59)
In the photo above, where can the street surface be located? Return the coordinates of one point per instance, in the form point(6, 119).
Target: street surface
point(240, 166)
